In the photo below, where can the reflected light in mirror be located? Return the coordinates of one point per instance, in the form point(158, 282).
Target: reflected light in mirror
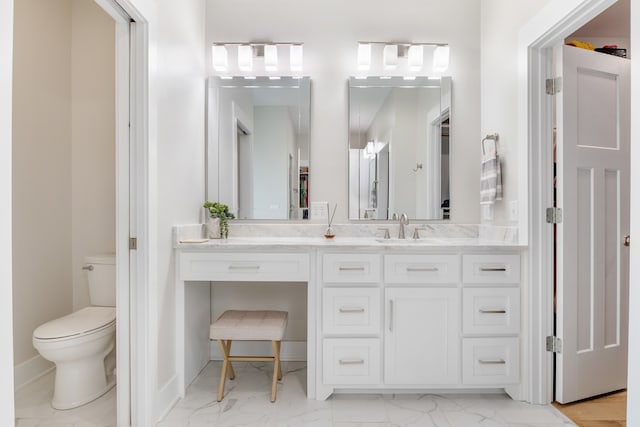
point(219, 57)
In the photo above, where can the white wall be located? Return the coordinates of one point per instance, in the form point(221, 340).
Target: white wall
point(330, 30)
point(6, 314)
point(41, 168)
point(93, 147)
point(501, 21)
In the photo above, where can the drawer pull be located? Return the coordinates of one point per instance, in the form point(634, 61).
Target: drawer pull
point(422, 268)
point(493, 311)
point(351, 268)
point(351, 310)
point(351, 361)
point(492, 361)
point(244, 267)
point(494, 269)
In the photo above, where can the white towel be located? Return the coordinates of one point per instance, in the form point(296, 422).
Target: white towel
point(490, 174)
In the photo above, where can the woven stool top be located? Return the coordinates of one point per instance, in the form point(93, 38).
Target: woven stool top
point(244, 325)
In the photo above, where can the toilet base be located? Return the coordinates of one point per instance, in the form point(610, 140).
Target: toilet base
point(77, 384)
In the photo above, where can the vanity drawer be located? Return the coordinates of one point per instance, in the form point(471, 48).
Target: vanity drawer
point(351, 311)
point(422, 268)
point(491, 311)
point(351, 361)
point(351, 268)
point(495, 268)
point(238, 266)
point(491, 361)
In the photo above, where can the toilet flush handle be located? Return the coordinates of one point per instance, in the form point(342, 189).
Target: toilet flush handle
point(88, 267)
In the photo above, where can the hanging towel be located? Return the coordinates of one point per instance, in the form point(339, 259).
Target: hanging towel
point(490, 174)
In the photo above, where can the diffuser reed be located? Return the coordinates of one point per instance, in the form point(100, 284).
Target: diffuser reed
point(329, 233)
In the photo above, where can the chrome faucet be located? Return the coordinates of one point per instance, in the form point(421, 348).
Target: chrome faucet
point(404, 220)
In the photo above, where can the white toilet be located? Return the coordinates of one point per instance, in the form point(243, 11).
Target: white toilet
point(82, 344)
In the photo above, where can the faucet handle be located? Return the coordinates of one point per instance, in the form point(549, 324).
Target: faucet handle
point(386, 232)
point(416, 232)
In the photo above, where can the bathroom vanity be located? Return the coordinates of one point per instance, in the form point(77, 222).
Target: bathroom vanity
point(383, 315)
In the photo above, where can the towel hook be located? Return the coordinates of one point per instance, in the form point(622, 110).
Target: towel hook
point(418, 166)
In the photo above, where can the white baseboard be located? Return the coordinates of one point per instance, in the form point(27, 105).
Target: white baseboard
point(290, 351)
point(166, 399)
point(29, 371)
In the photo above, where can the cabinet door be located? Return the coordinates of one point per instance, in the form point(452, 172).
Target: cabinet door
point(422, 342)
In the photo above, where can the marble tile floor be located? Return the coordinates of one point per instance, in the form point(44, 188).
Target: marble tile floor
point(246, 403)
point(33, 408)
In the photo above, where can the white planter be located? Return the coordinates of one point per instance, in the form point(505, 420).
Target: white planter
point(213, 228)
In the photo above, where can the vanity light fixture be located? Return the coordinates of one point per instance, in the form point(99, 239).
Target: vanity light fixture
point(219, 57)
point(270, 57)
point(364, 56)
point(441, 58)
point(255, 57)
point(295, 57)
point(390, 56)
point(245, 57)
point(396, 55)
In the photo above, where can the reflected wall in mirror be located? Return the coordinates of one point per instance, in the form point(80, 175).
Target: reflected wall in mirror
point(399, 148)
point(258, 146)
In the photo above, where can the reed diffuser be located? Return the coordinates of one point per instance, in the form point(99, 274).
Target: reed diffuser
point(329, 233)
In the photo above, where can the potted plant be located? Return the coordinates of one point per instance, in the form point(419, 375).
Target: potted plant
point(219, 213)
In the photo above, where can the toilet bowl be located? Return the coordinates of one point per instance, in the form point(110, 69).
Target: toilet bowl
point(82, 344)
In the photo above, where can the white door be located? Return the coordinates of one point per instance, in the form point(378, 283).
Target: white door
point(592, 262)
point(421, 339)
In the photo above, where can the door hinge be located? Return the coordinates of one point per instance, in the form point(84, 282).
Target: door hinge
point(554, 215)
point(133, 243)
point(553, 85)
point(554, 344)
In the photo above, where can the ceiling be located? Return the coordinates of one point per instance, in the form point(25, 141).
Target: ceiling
point(613, 22)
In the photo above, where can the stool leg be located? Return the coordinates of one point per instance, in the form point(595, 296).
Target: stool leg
point(276, 368)
point(232, 373)
point(225, 364)
point(279, 364)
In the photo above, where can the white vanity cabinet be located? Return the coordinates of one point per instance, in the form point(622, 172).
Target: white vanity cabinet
point(411, 320)
point(421, 343)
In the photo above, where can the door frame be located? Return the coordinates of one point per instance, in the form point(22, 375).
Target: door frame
point(535, 42)
point(135, 386)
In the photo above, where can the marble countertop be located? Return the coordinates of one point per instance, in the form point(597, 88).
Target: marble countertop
point(354, 236)
point(339, 242)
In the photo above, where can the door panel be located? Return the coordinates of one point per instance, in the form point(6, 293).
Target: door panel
point(592, 118)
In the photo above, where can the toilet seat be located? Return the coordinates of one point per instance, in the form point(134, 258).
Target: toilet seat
point(88, 320)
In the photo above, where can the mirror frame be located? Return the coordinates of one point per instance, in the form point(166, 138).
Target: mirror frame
point(399, 82)
point(212, 131)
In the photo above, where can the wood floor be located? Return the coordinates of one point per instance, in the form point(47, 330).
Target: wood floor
point(604, 411)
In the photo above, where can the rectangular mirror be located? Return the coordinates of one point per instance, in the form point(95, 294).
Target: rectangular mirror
point(399, 148)
point(258, 146)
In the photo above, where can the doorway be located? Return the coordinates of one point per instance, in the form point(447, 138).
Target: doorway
point(537, 38)
point(125, 131)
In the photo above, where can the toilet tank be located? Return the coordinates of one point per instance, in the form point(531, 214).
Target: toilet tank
point(101, 274)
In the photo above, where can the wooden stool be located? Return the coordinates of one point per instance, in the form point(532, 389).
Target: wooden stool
point(241, 325)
